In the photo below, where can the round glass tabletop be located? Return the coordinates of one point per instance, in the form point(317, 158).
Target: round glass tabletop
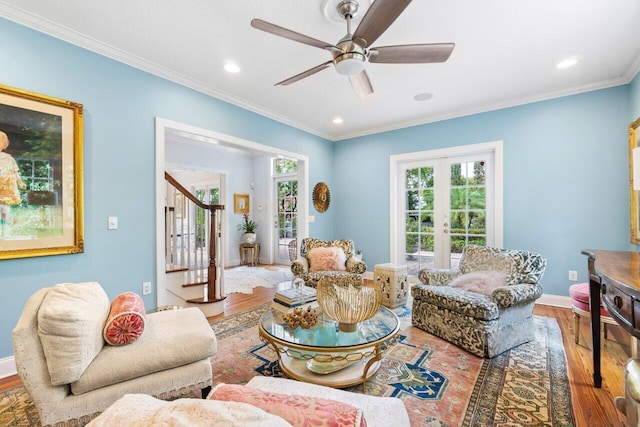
point(325, 333)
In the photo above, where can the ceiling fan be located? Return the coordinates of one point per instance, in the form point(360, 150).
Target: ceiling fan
point(352, 51)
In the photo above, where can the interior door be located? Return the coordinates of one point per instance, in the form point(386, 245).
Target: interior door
point(286, 221)
point(449, 203)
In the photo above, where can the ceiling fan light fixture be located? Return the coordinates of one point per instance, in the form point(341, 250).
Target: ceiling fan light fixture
point(349, 63)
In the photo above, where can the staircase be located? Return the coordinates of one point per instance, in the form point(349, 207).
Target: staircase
point(193, 250)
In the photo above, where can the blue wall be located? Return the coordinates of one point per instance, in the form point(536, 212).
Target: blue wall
point(635, 98)
point(562, 158)
point(120, 104)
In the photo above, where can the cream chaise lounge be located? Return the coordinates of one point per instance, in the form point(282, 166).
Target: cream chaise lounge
point(86, 376)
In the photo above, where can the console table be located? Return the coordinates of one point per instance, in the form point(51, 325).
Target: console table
point(614, 276)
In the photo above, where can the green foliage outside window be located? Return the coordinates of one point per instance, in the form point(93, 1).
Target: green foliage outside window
point(284, 166)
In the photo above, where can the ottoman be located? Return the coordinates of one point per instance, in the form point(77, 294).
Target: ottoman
point(579, 294)
point(378, 411)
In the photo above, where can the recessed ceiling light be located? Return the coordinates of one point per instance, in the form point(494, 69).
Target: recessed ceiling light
point(338, 120)
point(423, 96)
point(566, 63)
point(231, 67)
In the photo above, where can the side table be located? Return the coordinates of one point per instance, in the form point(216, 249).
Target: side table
point(249, 253)
point(395, 286)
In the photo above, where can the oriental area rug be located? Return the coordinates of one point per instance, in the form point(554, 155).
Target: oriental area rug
point(439, 384)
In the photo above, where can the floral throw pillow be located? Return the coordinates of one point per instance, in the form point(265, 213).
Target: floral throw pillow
point(295, 409)
point(125, 322)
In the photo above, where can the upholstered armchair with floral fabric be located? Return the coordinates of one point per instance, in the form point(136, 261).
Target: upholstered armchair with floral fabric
point(486, 305)
point(327, 258)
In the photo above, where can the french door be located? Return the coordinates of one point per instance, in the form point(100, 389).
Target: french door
point(286, 221)
point(448, 202)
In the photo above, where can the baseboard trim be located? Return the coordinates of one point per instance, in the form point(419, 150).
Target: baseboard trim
point(554, 300)
point(7, 367)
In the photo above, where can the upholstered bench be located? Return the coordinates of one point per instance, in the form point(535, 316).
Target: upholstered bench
point(264, 402)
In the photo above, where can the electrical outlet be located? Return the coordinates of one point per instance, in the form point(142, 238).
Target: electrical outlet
point(573, 276)
point(146, 288)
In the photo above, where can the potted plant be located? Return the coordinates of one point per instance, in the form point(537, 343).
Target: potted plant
point(248, 227)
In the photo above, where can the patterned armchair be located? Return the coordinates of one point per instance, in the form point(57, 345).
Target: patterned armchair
point(486, 305)
point(346, 272)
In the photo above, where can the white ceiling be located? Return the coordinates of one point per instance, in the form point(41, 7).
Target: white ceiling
point(505, 53)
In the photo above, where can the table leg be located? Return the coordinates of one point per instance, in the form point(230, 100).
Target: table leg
point(594, 306)
point(374, 359)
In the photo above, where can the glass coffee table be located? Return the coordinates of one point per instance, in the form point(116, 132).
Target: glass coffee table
point(326, 356)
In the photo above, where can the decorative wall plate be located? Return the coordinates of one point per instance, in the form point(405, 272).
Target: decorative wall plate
point(321, 197)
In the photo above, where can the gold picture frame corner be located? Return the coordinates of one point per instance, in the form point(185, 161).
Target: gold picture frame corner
point(241, 203)
point(634, 175)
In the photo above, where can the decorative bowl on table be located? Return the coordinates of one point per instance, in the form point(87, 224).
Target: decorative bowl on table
point(348, 304)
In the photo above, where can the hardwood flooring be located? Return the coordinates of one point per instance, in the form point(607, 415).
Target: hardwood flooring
point(592, 407)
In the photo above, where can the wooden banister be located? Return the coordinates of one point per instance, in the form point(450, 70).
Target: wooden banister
point(212, 293)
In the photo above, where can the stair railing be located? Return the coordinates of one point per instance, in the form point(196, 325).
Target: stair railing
point(186, 243)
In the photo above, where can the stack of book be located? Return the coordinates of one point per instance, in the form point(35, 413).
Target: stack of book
point(286, 300)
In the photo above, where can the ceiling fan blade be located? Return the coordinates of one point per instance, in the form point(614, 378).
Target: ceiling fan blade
point(378, 18)
point(304, 74)
point(361, 84)
point(291, 35)
point(411, 53)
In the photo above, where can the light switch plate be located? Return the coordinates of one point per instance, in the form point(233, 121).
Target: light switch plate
point(113, 223)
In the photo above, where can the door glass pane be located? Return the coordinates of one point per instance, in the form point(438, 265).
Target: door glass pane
point(419, 212)
point(467, 206)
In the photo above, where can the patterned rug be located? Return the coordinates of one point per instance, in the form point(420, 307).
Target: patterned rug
point(440, 384)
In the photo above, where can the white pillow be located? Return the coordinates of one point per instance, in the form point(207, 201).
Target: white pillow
point(70, 322)
point(481, 282)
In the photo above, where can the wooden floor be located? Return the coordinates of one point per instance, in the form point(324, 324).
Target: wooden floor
point(592, 407)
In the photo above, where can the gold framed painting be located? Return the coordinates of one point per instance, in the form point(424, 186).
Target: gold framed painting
point(634, 179)
point(241, 203)
point(41, 193)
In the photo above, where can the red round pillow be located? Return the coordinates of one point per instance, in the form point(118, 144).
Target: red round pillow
point(125, 322)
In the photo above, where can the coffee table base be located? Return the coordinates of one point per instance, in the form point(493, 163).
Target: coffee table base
point(347, 377)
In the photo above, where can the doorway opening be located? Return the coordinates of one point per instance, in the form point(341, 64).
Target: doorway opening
point(217, 144)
